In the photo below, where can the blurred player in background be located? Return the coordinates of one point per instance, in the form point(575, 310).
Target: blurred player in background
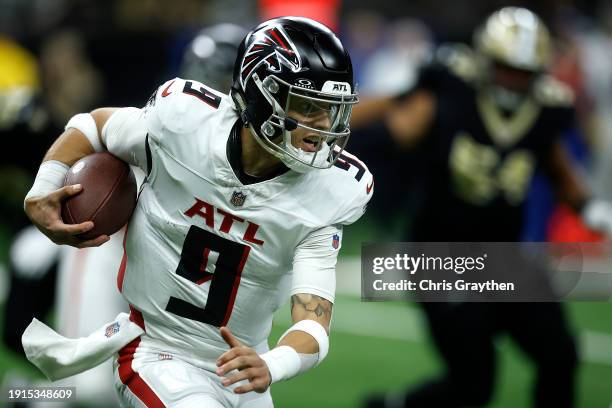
point(24, 118)
point(486, 118)
point(405, 46)
point(207, 246)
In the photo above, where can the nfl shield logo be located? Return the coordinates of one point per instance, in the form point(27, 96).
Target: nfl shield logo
point(237, 199)
point(111, 329)
point(336, 241)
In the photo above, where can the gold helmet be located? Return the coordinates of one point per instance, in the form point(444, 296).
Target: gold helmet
point(515, 37)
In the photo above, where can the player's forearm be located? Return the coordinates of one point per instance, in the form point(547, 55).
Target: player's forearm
point(568, 184)
point(43, 202)
point(574, 194)
point(71, 146)
point(312, 307)
point(81, 138)
point(571, 189)
point(305, 306)
point(306, 343)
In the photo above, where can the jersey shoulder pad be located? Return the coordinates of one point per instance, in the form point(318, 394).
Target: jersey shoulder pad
point(459, 60)
point(180, 106)
point(551, 92)
point(352, 185)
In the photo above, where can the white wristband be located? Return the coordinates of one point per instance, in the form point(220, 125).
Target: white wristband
point(86, 124)
point(50, 177)
point(285, 362)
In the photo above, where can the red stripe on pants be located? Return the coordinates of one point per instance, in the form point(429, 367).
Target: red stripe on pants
point(131, 378)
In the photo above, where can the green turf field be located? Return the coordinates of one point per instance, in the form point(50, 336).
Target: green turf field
point(383, 346)
point(368, 354)
point(377, 359)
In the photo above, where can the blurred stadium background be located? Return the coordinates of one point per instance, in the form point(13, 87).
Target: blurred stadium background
point(61, 57)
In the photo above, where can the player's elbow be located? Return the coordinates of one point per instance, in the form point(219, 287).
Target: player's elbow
point(325, 326)
point(101, 116)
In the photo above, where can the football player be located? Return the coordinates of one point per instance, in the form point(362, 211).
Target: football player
point(229, 224)
point(487, 117)
point(83, 279)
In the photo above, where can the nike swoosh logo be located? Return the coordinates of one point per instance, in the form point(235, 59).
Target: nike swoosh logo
point(369, 188)
point(165, 91)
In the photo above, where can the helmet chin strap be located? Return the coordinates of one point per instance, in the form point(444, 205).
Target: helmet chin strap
point(299, 164)
point(294, 164)
point(242, 110)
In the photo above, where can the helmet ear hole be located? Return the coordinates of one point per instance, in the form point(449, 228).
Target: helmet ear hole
point(268, 129)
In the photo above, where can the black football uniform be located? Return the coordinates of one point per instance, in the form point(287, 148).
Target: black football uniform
point(480, 163)
point(481, 159)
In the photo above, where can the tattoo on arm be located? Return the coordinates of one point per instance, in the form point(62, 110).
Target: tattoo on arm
point(311, 304)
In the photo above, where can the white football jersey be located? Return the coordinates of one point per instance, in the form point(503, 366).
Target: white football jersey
point(202, 249)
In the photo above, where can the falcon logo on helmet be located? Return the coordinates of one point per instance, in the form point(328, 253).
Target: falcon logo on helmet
point(284, 78)
point(272, 47)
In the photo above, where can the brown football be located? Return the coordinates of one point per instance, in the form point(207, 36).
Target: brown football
point(108, 197)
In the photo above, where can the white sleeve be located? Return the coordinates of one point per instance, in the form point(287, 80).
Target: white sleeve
point(314, 263)
point(124, 135)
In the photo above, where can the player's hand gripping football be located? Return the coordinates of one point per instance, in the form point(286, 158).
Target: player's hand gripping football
point(45, 214)
point(251, 367)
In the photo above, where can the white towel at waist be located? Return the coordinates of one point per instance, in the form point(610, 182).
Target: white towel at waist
point(60, 357)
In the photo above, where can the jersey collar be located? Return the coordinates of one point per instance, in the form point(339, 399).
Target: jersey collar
point(234, 157)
